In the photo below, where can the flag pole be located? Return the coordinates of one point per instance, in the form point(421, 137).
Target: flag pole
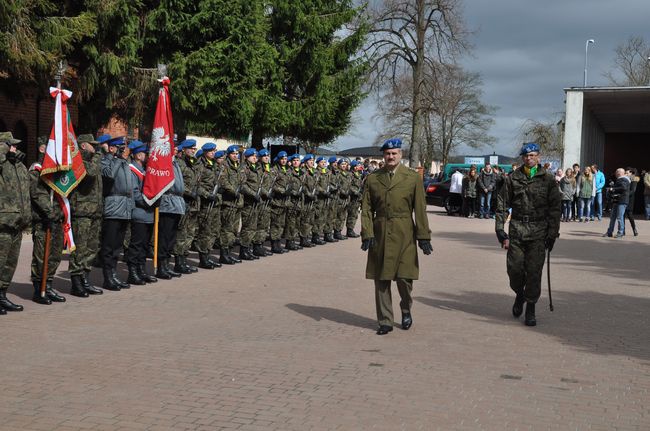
point(156, 220)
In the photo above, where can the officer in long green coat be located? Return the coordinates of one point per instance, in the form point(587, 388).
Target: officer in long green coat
point(15, 213)
point(392, 195)
point(535, 199)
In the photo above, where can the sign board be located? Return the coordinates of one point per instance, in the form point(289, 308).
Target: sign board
point(494, 160)
point(474, 160)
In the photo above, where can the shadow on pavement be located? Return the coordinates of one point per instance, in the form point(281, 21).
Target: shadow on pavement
point(590, 321)
point(333, 315)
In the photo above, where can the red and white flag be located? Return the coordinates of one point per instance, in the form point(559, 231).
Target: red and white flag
point(160, 172)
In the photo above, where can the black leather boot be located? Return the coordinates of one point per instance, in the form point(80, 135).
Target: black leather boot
point(37, 298)
point(214, 262)
point(518, 306)
point(530, 314)
point(109, 283)
point(315, 239)
point(7, 304)
point(77, 288)
point(92, 290)
point(189, 267)
point(53, 294)
point(275, 247)
point(224, 257)
point(330, 238)
point(304, 242)
point(169, 270)
point(244, 253)
point(119, 282)
point(161, 271)
point(337, 235)
point(204, 262)
point(134, 277)
point(352, 234)
point(144, 276)
point(260, 250)
point(179, 267)
point(291, 246)
point(2, 311)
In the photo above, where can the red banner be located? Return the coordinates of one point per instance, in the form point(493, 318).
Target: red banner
point(160, 172)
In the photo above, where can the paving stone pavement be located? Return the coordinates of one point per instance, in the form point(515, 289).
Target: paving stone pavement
point(288, 343)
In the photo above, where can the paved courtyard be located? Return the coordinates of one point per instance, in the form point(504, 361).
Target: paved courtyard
point(288, 343)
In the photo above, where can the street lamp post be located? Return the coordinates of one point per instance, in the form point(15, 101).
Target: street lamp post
point(584, 84)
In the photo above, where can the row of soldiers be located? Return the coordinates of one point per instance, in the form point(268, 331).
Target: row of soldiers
point(217, 200)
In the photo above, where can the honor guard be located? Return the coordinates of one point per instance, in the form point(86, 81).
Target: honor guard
point(343, 197)
point(188, 225)
point(210, 214)
point(280, 200)
point(230, 185)
point(309, 198)
point(295, 203)
point(356, 184)
point(251, 190)
point(322, 198)
point(264, 210)
point(331, 206)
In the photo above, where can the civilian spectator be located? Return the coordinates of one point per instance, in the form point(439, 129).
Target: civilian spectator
point(559, 174)
point(576, 200)
point(597, 199)
point(469, 193)
point(486, 184)
point(629, 209)
point(568, 190)
point(586, 184)
point(456, 189)
point(646, 194)
point(620, 194)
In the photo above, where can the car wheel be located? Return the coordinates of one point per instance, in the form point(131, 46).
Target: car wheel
point(450, 207)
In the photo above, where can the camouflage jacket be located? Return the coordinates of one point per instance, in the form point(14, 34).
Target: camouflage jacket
point(192, 170)
point(87, 199)
point(209, 176)
point(344, 184)
point(536, 206)
point(252, 180)
point(230, 185)
point(14, 193)
point(268, 177)
point(280, 193)
point(296, 181)
point(45, 207)
point(356, 181)
point(323, 185)
point(310, 184)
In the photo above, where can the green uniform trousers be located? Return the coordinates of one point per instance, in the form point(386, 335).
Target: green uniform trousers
point(341, 214)
point(384, 301)
point(278, 222)
point(249, 216)
point(292, 222)
point(263, 224)
point(525, 263)
point(229, 224)
point(86, 232)
point(209, 228)
point(319, 218)
point(9, 252)
point(38, 252)
point(186, 233)
point(307, 220)
point(353, 213)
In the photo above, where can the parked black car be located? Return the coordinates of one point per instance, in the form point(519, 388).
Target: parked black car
point(437, 194)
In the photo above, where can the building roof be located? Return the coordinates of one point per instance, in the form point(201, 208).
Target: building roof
point(372, 151)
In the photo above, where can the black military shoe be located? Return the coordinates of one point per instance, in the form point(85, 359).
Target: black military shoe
point(304, 242)
point(315, 239)
point(337, 235)
point(530, 314)
point(119, 282)
point(191, 268)
point(224, 257)
point(144, 276)
point(276, 248)
point(352, 234)
point(6, 304)
point(518, 306)
point(179, 267)
point(384, 329)
point(244, 253)
point(2, 311)
point(329, 238)
point(214, 263)
point(37, 298)
point(169, 270)
point(109, 282)
point(77, 288)
point(92, 290)
point(53, 294)
point(161, 271)
point(407, 321)
point(291, 246)
point(205, 262)
point(134, 277)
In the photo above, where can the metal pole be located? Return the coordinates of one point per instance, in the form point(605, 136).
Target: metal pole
point(584, 84)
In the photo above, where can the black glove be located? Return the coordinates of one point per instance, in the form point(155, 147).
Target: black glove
point(425, 246)
point(211, 198)
point(11, 157)
point(257, 197)
point(549, 243)
point(367, 243)
point(270, 194)
point(194, 195)
point(502, 235)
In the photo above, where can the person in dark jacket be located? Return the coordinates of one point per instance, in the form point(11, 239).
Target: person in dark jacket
point(620, 193)
point(486, 185)
point(629, 209)
point(469, 191)
point(172, 208)
point(118, 206)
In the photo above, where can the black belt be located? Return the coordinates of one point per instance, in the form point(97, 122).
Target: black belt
point(527, 218)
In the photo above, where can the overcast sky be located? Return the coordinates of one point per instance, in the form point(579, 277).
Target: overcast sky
point(527, 52)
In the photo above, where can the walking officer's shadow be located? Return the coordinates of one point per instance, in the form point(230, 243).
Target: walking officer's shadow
point(333, 315)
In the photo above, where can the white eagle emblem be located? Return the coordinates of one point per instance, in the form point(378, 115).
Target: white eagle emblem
point(160, 145)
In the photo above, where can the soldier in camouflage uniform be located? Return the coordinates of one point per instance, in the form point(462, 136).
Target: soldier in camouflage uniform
point(356, 181)
point(344, 181)
point(46, 214)
point(294, 207)
point(15, 214)
point(332, 200)
point(322, 195)
point(191, 170)
point(233, 201)
point(535, 199)
point(310, 184)
point(251, 190)
point(210, 213)
point(279, 201)
point(264, 215)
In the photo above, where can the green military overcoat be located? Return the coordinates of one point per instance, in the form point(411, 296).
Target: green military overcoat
point(387, 214)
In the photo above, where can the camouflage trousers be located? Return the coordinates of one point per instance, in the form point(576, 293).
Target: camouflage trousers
point(307, 220)
point(353, 213)
point(263, 224)
point(292, 221)
point(329, 216)
point(249, 216)
point(86, 232)
point(186, 233)
point(38, 252)
point(278, 221)
point(229, 224)
point(9, 252)
point(525, 263)
point(341, 214)
point(209, 227)
point(320, 217)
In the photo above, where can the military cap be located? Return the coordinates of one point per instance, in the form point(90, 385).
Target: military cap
point(529, 147)
point(42, 140)
point(137, 147)
point(232, 149)
point(115, 142)
point(104, 138)
point(8, 138)
point(320, 159)
point(187, 143)
point(331, 160)
point(219, 154)
point(263, 152)
point(209, 146)
point(199, 153)
point(250, 152)
point(344, 160)
point(281, 154)
point(87, 138)
point(294, 156)
point(307, 157)
point(391, 144)
point(354, 163)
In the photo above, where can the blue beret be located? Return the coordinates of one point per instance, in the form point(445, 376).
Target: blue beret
point(188, 143)
point(219, 154)
point(294, 156)
point(263, 152)
point(320, 159)
point(331, 160)
point(307, 157)
point(391, 144)
point(232, 149)
point(135, 144)
point(281, 154)
point(199, 153)
point(209, 146)
point(250, 152)
point(104, 138)
point(354, 163)
point(344, 160)
point(116, 141)
point(530, 147)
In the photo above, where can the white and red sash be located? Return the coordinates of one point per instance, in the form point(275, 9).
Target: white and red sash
point(136, 171)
